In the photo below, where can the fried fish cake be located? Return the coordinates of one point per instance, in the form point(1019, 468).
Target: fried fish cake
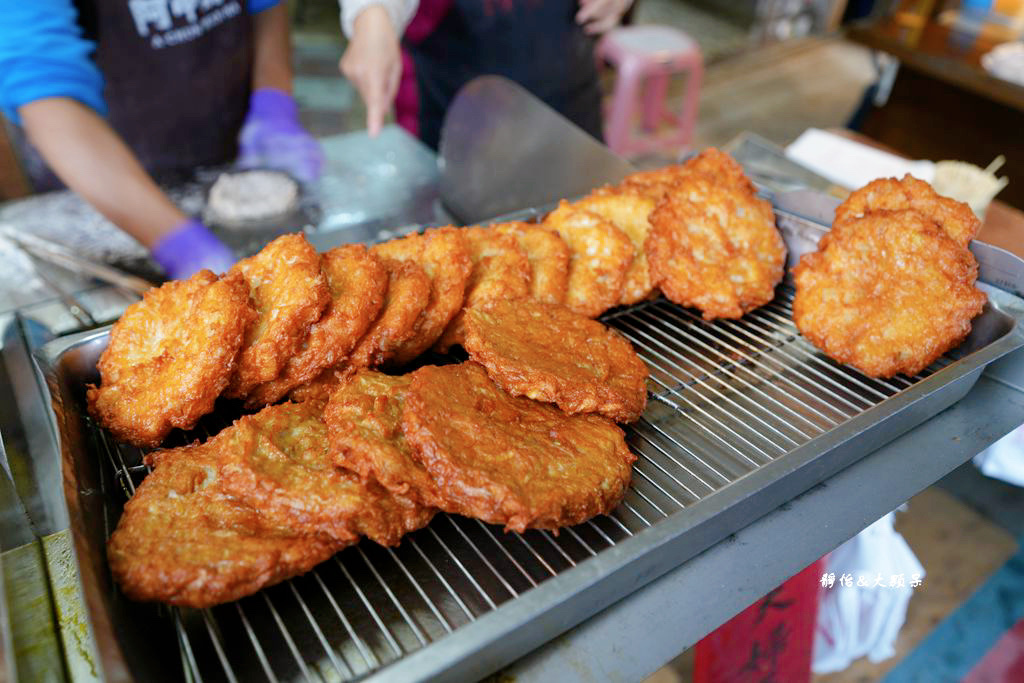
point(657, 183)
point(720, 167)
point(548, 353)
point(601, 254)
point(408, 294)
point(716, 248)
point(364, 421)
point(629, 212)
point(278, 461)
point(290, 293)
point(444, 256)
point(653, 184)
point(170, 356)
point(501, 270)
point(323, 385)
point(509, 460)
point(890, 194)
point(888, 296)
point(183, 541)
point(358, 282)
point(548, 255)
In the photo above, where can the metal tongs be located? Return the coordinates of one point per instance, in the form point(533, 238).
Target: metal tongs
point(58, 255)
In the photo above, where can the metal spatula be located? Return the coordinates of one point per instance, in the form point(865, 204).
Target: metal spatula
point(502, 149)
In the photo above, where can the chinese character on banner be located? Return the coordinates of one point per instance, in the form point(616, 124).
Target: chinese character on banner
point(146, 12)
point(915, 580)
point(897, 581)
point(846, 580)
point(879, 581)
point(828, 580)
point(185, 8)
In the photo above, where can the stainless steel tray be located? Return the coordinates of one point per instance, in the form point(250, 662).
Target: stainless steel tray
point(744, 415)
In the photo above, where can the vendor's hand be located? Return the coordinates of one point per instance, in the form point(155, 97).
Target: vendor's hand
point(373, 63)
point(598, 16)
point(272, 137)
point(188, 248)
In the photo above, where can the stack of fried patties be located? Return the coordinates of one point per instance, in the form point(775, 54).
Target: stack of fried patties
point(892, 286)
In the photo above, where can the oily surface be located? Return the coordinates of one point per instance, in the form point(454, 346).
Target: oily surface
point(407, 296)
point(889, 294)
point(548, 353)
point(509, 460)
point(170, 356)
point(549, 259)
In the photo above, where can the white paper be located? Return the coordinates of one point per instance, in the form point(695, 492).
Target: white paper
point(1004, 459)
point(851, 164)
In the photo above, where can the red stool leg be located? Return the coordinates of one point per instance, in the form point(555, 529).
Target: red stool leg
point(654, 100)
point(769, 641)
point(617, 132)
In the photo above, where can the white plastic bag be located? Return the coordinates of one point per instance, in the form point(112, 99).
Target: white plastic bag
point(857, 620)
point(1004, 459)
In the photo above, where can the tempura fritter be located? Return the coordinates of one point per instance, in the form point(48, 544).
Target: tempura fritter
point(890, 194)
point(358, 282)
point(601, 254)
point(629, 212)
point(509, 460)
point(444, 256)
point(364, 421)
point(715, 247)
point(889, 295)
point(501, 270)
point(548, 353)
point(549, 259)
point(170, 356)
point(290, 293)
point(408, 293)
point(323, 385)
point(183, 541)
point(278, 461)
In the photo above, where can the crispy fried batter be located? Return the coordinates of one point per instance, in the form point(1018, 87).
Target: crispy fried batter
point(279, 463)
point(290, 292)
point(715, 247)
point(653, 184)
point(323, 385)
point(548, 353)
point(722, 168)
point(181, 540)
point(407, 295)
point(444, 256)
point(601, 254)
point(890, 194)
point(501, 270)
point(508, 460)
point(889, 295)
point(170, 356)
point(358, 282)
point(364, 419)
point(549, 259)
point(629, 212)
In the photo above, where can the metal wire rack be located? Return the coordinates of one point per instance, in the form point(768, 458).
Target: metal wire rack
point(727, 398)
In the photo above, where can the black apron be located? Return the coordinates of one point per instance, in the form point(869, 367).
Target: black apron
point(177, 80)
point(535, 43)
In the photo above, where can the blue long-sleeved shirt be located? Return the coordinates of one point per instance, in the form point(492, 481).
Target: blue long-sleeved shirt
point(44, 54)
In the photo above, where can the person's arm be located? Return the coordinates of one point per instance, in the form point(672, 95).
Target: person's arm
point(272, 49)
point(373, 58)
point(90, 158)
point(598, 16)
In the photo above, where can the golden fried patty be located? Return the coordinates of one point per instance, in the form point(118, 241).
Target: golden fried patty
point(170, 356)
point(888, 295)
point(548, 353)
point(508, 460)
point(290, 293)
point(279, 462)
point(183, 541)
point(501, 270)
point(715, 247)
point(407, 296)
point(600, 256)
point(444, 256)
point(549, 259)
point(358, 282)
point(364, 421)
point(890, 194)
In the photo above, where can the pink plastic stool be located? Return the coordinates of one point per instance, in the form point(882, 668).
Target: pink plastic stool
point(650, 55)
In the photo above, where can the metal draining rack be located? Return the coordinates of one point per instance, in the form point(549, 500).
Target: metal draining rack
point(726, 399)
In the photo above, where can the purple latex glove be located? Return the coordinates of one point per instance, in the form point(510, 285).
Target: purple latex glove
point(272, 137)
point(189, 248)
